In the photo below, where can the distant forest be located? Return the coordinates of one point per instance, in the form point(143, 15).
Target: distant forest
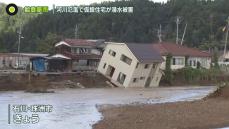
point(205, 19)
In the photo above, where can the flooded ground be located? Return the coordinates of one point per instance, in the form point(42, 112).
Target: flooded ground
point(76, 108)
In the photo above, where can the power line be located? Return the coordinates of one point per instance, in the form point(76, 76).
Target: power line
point(19, 44)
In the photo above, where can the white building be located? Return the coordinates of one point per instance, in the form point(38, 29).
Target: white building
point(179, 53)
point(15, 60)
point(131, 65)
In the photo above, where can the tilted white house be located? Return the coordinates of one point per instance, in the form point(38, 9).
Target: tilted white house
point(179, 53)
point(131, 65)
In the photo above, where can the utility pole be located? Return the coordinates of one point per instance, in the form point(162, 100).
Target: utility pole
point(184, 34)
point(159, 34)
point(19, 44)
point(76, 32)
point(177, 22)
point(227, 29)
point(211, 34)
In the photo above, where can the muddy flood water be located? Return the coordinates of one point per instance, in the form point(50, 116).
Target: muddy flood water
point(76, 108)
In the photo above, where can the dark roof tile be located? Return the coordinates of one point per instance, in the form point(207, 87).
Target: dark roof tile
point(80, 42)
point(179, 50)
point(145, 53)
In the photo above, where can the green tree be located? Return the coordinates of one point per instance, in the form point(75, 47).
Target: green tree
point(186, 61)
point(168, 70)
point(47, 45)
point(215, 60)
point(205, 19)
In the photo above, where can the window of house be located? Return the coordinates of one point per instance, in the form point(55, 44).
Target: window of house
point(154, 66)
point(126, 59)
point(113, 53)
point(157, 79)
point(3, 61)
point(178, 61)
point(135, 80)
point(137, 65)
point(142, 78)
point(104, 66)
point(83, 50)
point(80, 50)
point(190, 63)
point(174, 61)
point(121, 78)
point(194, 63)
point(204, 62)
point(146, 66)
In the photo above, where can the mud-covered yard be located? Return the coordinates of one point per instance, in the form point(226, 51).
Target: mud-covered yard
point(212, 112)
point(39, 82)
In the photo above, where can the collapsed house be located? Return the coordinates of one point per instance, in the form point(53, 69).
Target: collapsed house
point(131, 65)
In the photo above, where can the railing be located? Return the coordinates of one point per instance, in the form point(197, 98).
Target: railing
point(224, 66)
point(12, 72)
point(85, 68)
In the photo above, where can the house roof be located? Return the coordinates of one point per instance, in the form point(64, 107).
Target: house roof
point(82, 56)
point(59, 56)
point(145, 53)
point(78, 42)
point(178, 50)
point(23, 55)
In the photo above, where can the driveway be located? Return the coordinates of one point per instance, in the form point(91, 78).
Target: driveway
point(76, 108)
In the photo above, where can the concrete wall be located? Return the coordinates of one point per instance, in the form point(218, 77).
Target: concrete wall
point(13, 61)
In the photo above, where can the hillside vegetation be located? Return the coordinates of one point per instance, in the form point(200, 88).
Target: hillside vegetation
point(9, 25)
point(205, 19)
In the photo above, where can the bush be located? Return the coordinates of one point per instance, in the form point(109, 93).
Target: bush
point(190, 75)
point(168, 71)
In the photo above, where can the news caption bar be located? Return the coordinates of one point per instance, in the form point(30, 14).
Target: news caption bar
point(27, 114)
point(77, 9)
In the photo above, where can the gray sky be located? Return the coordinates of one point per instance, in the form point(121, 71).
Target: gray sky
point(56, 2)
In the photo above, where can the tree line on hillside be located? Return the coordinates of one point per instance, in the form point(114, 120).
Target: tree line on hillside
point(205, 20)
point(9, 27)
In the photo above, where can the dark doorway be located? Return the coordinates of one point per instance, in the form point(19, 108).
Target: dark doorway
point(148, 81)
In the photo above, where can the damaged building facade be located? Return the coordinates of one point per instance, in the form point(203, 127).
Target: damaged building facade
point(131, 65)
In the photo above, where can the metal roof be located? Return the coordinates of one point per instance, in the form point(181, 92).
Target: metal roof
point(144, 52)
point(178, 50)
